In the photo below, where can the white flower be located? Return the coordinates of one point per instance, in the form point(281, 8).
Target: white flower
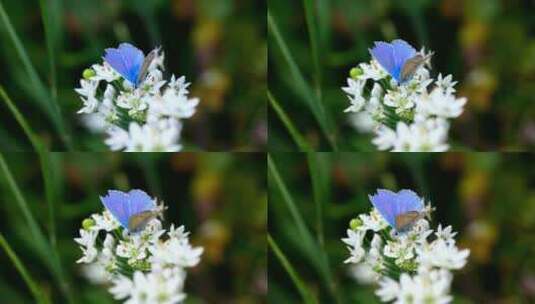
point(385, 138)
point(150, 288)
point(422, 111)
point(372, 71)
point(95, 273)
point(87, 241)
point(429, 136)
point(88, 91)
point(445, 234)
point(134, 101)
point(372, 221)
point(442, 254)
point(179, 233)
point(399, 100)
point(152, 232)
point(442, 104)
point(446, 84)
point(118, 139)
point(94, 122)
point(354, 91)
point(402, 250)
point(104, 72)
point(104, 221)
point(388, 289)
point(146, 117)
point(363, 273)
point(122, 287)
point(134, 249)
point(362, 122)
point(174, 104)
point(175, 252)
point(425, 287)
point(354, 241)
point(161, 136)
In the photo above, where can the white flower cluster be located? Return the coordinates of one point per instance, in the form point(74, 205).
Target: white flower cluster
point(410, 267)
point(143, 118)
point(144, 267)
point(413, 116)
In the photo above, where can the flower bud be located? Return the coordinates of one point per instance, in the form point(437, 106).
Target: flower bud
point(355, 72)
point(88, 73)
point(88, 223)
point(355, 223)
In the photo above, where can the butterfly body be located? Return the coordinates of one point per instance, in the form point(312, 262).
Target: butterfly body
point(399, 59)
point(401, 210)
point(133, 210)
point(130, 62)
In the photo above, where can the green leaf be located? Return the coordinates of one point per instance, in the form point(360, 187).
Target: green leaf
point(307, 296)
point(315, 105)
point(38, 294)
point(296, 135)
point(45, 251)
point(36, 143)
point(41, 96)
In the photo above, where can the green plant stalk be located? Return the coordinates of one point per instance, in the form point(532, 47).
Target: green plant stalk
point(47, 104)
point(299, 140)
point(320, 261)
point(319, 181)
point(311, 100)
point(305, 293)
point(34, 140)
point(313, 37)
point(46, 252)
point(38, 294)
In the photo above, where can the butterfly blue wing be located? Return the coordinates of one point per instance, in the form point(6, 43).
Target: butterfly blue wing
point(384, 202)
point(117, 203)
point(126, 60)
point(139, 201)
point(402, 52)
point(383, 53)
point(407, 201)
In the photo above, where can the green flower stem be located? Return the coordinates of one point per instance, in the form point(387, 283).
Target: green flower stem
point(38, 294)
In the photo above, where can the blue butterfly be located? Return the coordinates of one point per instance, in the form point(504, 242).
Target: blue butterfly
point(130, 62)
point(133, 210)
point(401, 210)
point(398, 58)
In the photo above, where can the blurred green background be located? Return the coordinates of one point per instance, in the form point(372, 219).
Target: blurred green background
point(487, 45)
point(220, 197)
point(219, 45)
point(489, 198)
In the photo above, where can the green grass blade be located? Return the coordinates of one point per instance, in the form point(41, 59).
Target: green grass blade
point(34, 140)
point(46, 252)
point(52, 18)
point(49, 169)
point(296, 135)
point(314, 45)
point(320, 259)
point(305, 293)
point(311, 100)
point(43, 98)
point(302, 229)
point(319, 175)
point(38, 294)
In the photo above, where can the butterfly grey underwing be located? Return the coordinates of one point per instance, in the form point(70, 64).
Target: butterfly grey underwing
point(405, 220)
point(138, 221)
point(411, 66)
point(146, 64)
